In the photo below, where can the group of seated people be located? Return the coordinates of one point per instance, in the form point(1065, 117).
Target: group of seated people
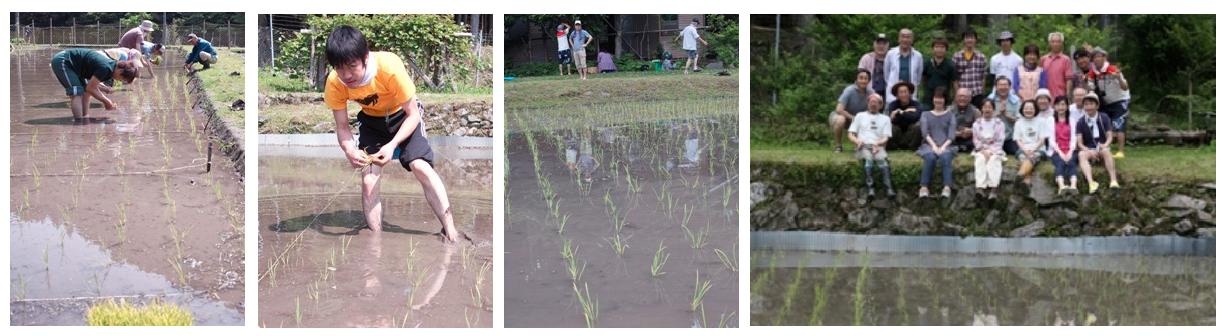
point(1073, 128)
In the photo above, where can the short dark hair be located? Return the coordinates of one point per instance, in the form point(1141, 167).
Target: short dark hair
point(940, 41)
point(1003, 78)
point(346, 44)
point(127, 69)
point(986, 102)
point(940, 92)
point(968, 33)
point(1080, 53)
point(156, 47)
point(1032, 48)
point(861, 70)
point(1027, 103)
point(695, 20)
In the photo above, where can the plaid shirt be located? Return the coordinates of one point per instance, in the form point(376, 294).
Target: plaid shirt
point(972, 72)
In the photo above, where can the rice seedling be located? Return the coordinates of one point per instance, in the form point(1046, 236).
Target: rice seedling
point(569, 253)
point(697, 239)
point(178, 270)
point(860, 298)
point(561, 223)
point(46, 257)
point(726, 320)
point(121, 225)
point(590, 305)
point(21, 288)
point(618, 244)
point(729, 262)
point(660, 258)
point(297, 310)
point(477, 293)
point(699, 292)
point(121, 313)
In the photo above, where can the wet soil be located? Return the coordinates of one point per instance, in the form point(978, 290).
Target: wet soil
point(320, 268)
point(131, 181)
point(540, 288)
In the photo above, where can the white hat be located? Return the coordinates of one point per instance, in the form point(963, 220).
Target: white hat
point(146, 25)
point(577, 22)
point(1043, 92)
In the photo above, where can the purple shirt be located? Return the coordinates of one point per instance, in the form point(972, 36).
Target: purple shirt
point(132, 38)
point(605, 62)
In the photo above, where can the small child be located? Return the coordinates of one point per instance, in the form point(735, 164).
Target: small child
point(87, 73)
point(1030, 133)
point(390, 123)
point(870, 132)
point(988, 136)
point(563, 49)
point(1064, 157)
point(201, 51)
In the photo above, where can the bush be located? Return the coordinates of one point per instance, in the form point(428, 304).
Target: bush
point(531, 69)
point(428, 41)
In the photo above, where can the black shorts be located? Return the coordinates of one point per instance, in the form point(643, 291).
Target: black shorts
point(374, 132)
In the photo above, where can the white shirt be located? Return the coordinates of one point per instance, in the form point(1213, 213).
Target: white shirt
point(1029, 131)
point(563, 42)
point(892, 71)
point(871, 127)
point(1004, 65)
point(690, 37)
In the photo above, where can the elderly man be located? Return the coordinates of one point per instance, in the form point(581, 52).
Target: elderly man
point(870, 132)
point(1007, 106)
point(965, 114)
point(201, 52)
point(903, 63)
point(970, 65)
point(874, 62)
point(1058, 66)
point(134, 37)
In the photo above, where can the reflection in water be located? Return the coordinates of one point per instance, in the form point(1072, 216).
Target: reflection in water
point(855, 290)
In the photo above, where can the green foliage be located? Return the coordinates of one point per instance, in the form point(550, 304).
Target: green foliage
point(532, 69)
point(723, 35)
point(428, 41)
point(122, 313)
point(629, 62)
point(1161, 55)
point(134, 19)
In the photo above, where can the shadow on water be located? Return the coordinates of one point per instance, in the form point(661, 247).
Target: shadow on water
point(69, 121)
point(347, 222)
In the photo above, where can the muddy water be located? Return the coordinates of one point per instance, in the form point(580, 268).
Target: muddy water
point(130, 181)
point(318, 269)
point(811, 288)
point(540, 288)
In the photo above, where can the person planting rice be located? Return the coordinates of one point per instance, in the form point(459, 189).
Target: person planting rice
point(389, 122)
point(201, 52)
point(87, 73)
point(126, 54)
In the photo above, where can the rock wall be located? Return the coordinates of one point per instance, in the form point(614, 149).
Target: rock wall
point(832, 198)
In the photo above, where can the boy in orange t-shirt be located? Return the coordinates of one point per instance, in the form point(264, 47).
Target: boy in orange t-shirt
point(390, 122)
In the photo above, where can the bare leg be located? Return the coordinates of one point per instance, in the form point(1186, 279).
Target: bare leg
point(1121, 141)
point(1086, 167)
point(74, 103)
point(839, 130)
point(370, 201)
point(435, 193)
point(85, 105)
point(687, 62)
point(1109, 167)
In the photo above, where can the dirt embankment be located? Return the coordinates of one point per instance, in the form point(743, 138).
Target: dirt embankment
point(462, 118)
point(789, 197)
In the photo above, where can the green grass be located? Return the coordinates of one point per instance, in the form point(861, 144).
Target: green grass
point(223, 88)
point(122, 313)
point(561, 92)
point(1157, 161)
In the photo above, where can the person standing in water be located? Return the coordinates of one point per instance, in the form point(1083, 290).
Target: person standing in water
point(88, 73)
point(390, 123)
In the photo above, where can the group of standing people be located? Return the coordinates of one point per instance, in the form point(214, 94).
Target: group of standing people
point(572, 45)
point(89, 74)
point(1070, 110)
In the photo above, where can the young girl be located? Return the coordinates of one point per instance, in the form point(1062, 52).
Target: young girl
point(988, 136)
point(1065, 160)
point(86, 73)
point(1030, 76)
point(1030, 135)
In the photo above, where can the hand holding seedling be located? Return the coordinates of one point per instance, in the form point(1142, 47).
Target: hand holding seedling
point(383, 156)
point(358, 158)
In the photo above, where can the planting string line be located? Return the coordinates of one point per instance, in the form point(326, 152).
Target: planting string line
point(110, 133)
point(724, 183)
point(144, 173)
point(298, 237)
point(92, 298)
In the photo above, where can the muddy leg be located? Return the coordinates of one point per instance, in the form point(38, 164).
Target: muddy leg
point(435, 192)
point(74, 103)
point(370, 201)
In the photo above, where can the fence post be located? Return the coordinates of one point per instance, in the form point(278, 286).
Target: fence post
point(272, 42)
point(229, 32)
point(98, 24)
point(73, 31)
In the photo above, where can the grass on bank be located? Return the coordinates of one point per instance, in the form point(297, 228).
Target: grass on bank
point(223, 88)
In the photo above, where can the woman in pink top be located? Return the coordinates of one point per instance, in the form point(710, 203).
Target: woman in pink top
point(1066, 162)
point(989, 132)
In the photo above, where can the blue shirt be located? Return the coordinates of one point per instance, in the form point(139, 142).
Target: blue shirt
point(904, 72)
point(201, 45)
point(578, 38)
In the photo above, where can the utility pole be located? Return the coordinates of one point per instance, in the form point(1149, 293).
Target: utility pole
point(777, 40)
